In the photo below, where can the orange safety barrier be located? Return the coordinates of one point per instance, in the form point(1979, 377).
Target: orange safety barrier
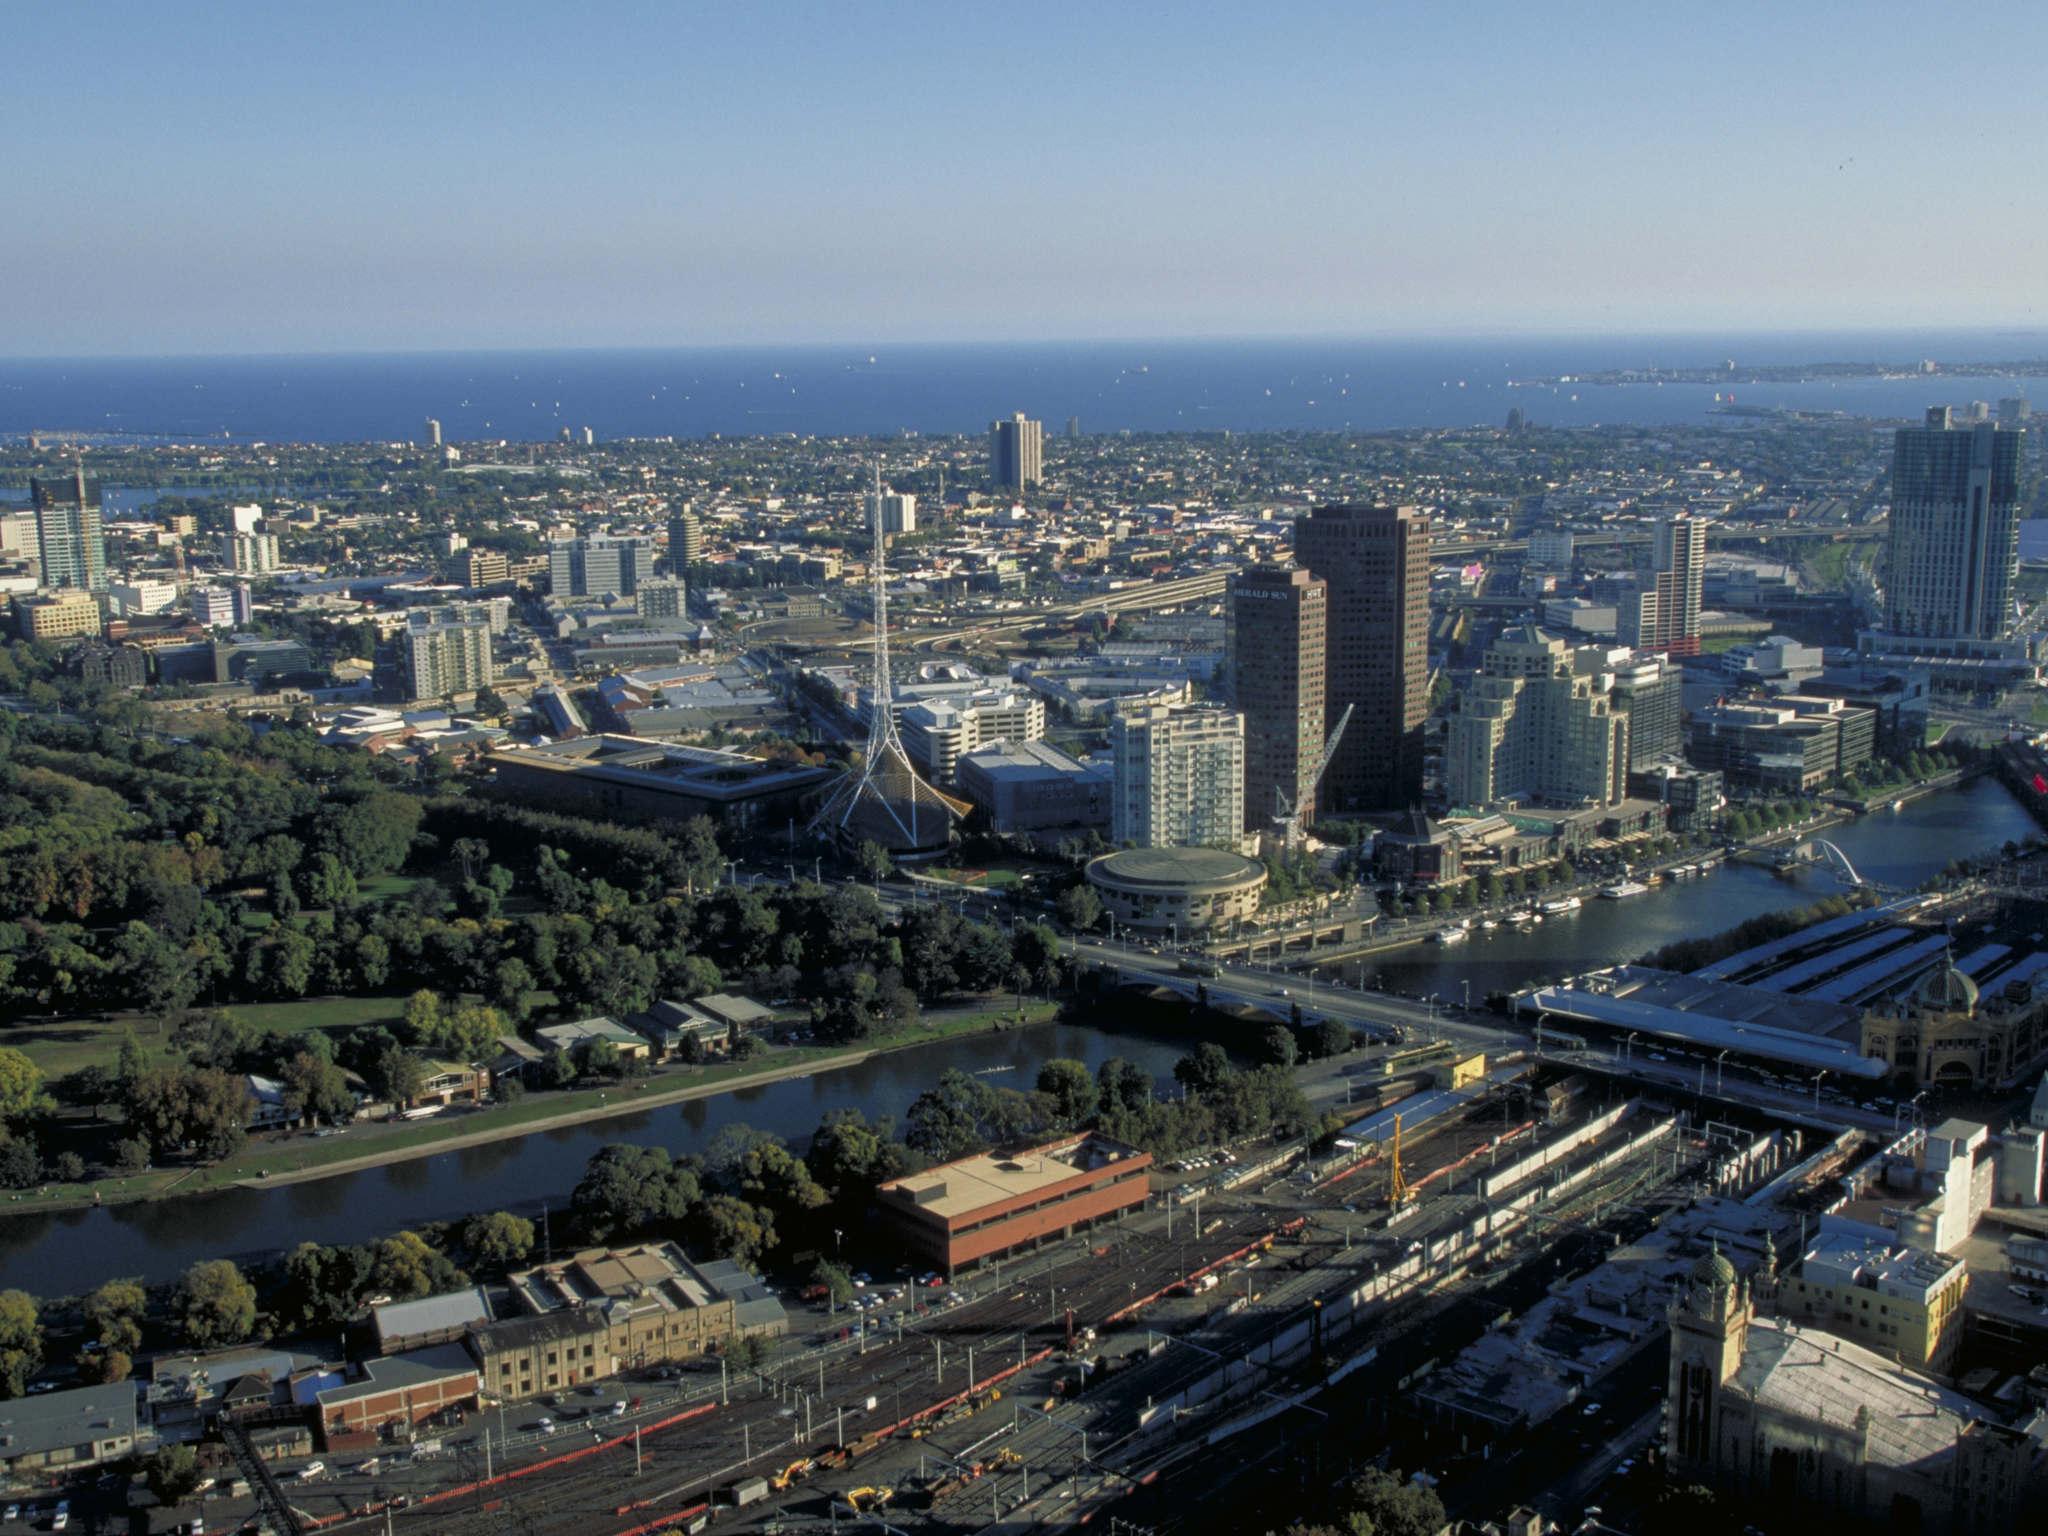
point(673, 1518)
point(1256, 1245)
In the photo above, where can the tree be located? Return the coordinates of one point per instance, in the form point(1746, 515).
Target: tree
point(601, 1058)
point(21, 1164)
point(173, 1473)
point(215, 1305)
point(850, 1157)
point(557, 1069)
point(1123, 1084)
point(1394, 1506)
point(1333, 1037)
point(872, 860)
point(1071, 1087)
point(131, 1156)
point(627, 1189)
point(1202, 1071)
point(323, 1286)
point(497, 1240)
point(115, 1365)
point(837, 1282)
point(422, 1016)
point(21, 1342)
point(1280, 1046)
point(21, 1085)
point(316, 1089)
point(406, 1265)
point(1078, 907)
point(115, 1312)
point(398, 1074)
point(734, 1229)
point(512, 987)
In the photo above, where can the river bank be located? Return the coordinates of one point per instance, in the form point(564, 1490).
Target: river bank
point(340, 1153)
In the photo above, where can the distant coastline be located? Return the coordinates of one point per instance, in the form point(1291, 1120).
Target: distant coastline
point(886, 391)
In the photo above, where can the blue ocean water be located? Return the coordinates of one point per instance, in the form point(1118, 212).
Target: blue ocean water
point(885, 390)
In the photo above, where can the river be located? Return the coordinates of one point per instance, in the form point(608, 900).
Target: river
point(57, 1253)
point(1901, 847)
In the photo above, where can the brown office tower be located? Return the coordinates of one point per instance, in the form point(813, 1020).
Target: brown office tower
point(1277, 640)
point(1376, 563)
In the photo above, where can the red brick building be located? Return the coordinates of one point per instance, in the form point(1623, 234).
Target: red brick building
point(400, 1389)
point(990, 1206)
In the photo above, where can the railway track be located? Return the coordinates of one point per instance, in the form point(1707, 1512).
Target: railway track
point(803, 1405)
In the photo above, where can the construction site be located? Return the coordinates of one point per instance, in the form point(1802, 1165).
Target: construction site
point(1281, 1309)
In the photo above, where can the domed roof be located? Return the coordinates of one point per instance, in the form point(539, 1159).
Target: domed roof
point(1713, 1269)
point(1946, 990)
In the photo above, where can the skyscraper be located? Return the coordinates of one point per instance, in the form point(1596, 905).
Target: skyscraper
point(446, 651)
point(71, 546)
point(1278, 640)
point(431, 435)
point(599, 565)
point(1952, 548)
point(1016, 452)
point(1179, 777)
point(1375, 561)
point(1532, 725)
point(1662, 614)
point(685, 540)
point(897, 512)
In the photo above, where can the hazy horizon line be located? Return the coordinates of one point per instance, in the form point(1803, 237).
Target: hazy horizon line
point(1469, 334)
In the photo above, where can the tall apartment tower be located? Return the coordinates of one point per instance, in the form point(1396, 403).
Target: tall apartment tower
point(599, 565)
point(895, 512)
point(1952, 549)
point(1375, 561)
point(71, 542)
point(446, 651)
point(1016, 452)
point(430, 435)
point(685, 540)
point(1179, 778)
point(1278, 645)
point(1662, 614)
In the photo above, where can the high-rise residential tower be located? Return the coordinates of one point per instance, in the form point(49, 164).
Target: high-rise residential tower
point(600, 565)
point(71, 544)
point(685, 540)
point(1016, 452)
point(446, 651)
point(1375, 562)
point(1952, 549)
point(1662, 614)
point(1278, 642)
point(897, 512)
point(430, 435)
point(1179, 777)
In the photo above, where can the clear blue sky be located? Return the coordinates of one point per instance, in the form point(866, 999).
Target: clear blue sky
point(241, 177)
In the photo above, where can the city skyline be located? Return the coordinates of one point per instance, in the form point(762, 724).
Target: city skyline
point(471, 189)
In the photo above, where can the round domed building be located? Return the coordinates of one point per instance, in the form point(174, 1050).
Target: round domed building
point(1193, 890)
point(1942, 1029)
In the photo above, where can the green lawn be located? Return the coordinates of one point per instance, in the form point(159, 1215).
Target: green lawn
point(384, 887)
point(59, 1046)
point(981, 879)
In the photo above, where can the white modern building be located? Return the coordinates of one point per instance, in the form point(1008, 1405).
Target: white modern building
point(133, 599)
point(249, 554)
point(1179, 778)
point(937, 733)
point(446, 651)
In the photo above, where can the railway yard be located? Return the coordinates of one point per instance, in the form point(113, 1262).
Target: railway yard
point(1284, 1318)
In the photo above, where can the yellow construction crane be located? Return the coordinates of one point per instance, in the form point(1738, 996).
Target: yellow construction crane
point(1397, 1185)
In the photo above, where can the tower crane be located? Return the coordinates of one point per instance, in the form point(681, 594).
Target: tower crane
point(1287, 817)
